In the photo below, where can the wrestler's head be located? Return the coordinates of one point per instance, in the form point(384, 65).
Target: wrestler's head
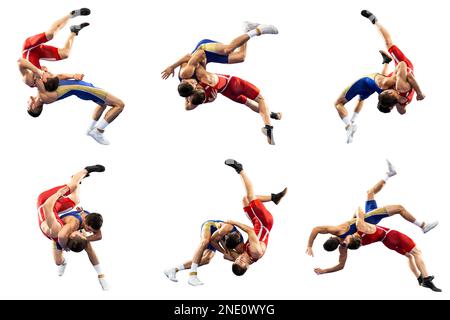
point(240, 266)
point(198, 97)
point(331, 244)
point(352, 242)
point(186, 87)
point(50, 83)
point(232, 240)
point(77, 242)
point(387, 100)
point(35, 106)
point(93, 222)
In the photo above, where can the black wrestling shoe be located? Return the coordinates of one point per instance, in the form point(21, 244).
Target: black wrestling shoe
point(268, 132)
point(276, 197)
point(369, 15)
point(235, 165)
point(276, 115)
point(428, 283)
point(77, 28)
point(420, 280)
point(96, 168)
point(80, 12)
point(386, 57)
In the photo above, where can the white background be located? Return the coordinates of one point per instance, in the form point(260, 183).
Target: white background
point(165, 174)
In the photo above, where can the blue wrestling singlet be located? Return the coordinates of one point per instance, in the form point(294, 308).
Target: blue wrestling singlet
point(82, 90)
point(209, 46)
point(213, 227)
point(363, 88)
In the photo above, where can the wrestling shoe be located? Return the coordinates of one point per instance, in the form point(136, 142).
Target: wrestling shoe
point(194, 281)
point(267, 29)
point(235, 165)
point(77, 28)
point(428, 283)
point(80, 12)
point(95, 168)
point(103, 283)
point(276, 115)
point(386, 57)
point(98, 136)
point(61, 268)
point(171, 274)
point(351, 129)
point(391, 170)
point(248, 25)
point(268, 132)
point(429, 226)
point(369, 15)
point(276, 197)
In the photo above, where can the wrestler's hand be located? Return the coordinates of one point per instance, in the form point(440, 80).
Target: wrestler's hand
point(166, 73)
point(43, 68)
point(319, 271)
point(230, 222)
point(61, 192)
point(78, 76)
point(309, 252)
point(420, 96)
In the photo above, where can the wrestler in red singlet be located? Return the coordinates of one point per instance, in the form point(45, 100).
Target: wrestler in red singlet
point(34, 50)
point(262, 221)
point(398, 57)
point(236, 89)
point(392, 239)
point(63, 204)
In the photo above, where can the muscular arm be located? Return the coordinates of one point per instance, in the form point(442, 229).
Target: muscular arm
point(339, 266)
point(241, 226)
point(219, 235)
point(321, 230)
point(50, 218)
point(412, 81)
point(91, 254)
point(25, 65)
point(97, 236)
point(188, 71)
point(70, 76)
point(171, 69)
point(401, 72)
point(362, 225)
point(64, 233)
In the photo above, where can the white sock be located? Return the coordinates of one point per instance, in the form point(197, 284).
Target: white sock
point(346, 120)
point(93, 124)
point(194, 267)
point(252, 33)
point(418, 223)
point(98, 269)
point(355, 115)
point(102, 124)
point(180, 268)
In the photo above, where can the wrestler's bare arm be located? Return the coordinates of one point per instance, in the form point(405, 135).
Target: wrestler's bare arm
point(341, 265)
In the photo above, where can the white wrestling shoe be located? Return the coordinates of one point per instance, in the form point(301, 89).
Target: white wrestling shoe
point(195, 281)
point(99, 137)
point(391, 170)
point(430, 226)
point(171, 274)
point(267, 29)
point(248, 25)
point(103, 283)
point(90, 129)
point(62, 268)
point(350, 132)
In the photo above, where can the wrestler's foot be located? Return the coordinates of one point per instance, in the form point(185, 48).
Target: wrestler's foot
point(103, 283)
point(194, 281)
point(98, 136)
point(351, 129)
point(248, 25)
point(276, 197)
point(369, 15)
point(267, 29)
point(268, 132)
point(391, 170)
point(428, 283)
point(429, 226)
point(77, 28)
point(386, 57)
point(80, 12)
point(95, 168)
point(171, 274)
point(420, 280)
point(235, 165)
point(276, 115)
point(62, 268)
